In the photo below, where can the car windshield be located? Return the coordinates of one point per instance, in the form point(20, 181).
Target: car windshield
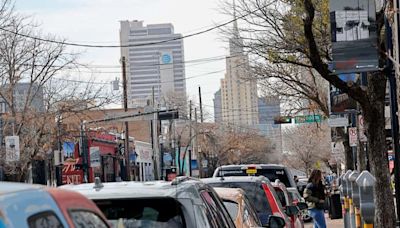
point(271, 173)
point(255, 194)
point(148, 212)
point(232, 208)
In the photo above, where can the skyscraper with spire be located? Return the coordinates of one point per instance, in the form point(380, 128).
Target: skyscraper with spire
point(238, 88)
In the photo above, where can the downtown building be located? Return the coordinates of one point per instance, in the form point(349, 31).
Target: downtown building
point(155, 62)
point(239, 101)
point(269, 108)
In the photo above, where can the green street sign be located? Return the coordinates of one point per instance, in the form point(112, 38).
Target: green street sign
point(308, 119)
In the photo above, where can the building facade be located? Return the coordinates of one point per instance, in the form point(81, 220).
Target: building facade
point(155, 60)
point(238, 90)
point(217, 107)
point(268, 109)
point(26, 95)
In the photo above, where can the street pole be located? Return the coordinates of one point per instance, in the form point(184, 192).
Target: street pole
point(84, 153)
point(126, 143)
point(195, 148)
point(190, 136)
point(201, 106)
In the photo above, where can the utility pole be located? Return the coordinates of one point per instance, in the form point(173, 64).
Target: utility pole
point(83, 144)
point(201, 106)
point(195, 147)
point(190, 137)
point(126, 143)
point(154, 139)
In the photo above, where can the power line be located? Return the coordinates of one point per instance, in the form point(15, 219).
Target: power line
point(127, 45)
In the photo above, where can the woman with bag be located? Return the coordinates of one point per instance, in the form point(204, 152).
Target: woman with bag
point(314, 194)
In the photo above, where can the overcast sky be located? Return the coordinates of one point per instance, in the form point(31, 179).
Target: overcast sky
point(97, 22)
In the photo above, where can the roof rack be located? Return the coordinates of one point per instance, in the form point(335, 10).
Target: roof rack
point(181, 179)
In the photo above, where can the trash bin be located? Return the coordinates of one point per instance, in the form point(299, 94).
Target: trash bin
point(335, 207)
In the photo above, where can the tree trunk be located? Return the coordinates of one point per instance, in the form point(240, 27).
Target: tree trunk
point(374, 114)
point(362, 165)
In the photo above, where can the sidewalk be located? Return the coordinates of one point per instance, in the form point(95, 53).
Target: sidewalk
point(330, 223)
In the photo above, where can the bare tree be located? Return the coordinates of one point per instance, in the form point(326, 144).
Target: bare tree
point(35, 88)
point(306, 145)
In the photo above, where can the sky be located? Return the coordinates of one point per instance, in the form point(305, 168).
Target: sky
point(97, 22)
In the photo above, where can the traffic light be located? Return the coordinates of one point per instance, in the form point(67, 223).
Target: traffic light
point(282, 120)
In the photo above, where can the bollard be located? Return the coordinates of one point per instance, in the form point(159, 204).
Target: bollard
point(355, 195)
point(366, 183)
point(347, 198)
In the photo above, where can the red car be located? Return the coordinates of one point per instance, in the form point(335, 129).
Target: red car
point(261, 194)
point(35, 206)
point(288, 203)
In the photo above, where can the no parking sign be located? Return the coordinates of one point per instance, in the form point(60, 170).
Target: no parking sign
point(353, 136)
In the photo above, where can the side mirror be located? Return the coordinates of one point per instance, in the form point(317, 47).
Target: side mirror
point(276, 222)
point(292, 210)
point(302, 206)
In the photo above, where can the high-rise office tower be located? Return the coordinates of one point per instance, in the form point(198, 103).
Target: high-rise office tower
point(155, 59)
point(238, 90)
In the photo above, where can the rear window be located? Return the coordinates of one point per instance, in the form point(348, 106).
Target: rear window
point(255, 194)
point(271, 174)
point(148, 212)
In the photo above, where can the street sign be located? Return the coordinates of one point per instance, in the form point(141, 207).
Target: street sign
point(338, 122)
point(307, 119)
point(12, 148)
point(353, 136)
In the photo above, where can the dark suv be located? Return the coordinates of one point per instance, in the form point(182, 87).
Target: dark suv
point(270, 171)
point(184, 202)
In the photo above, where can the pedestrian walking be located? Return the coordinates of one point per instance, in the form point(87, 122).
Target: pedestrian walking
point(314, 194)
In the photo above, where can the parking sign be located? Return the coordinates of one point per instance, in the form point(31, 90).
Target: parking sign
point(353, 136)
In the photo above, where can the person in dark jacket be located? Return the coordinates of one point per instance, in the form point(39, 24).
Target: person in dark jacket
point(314, 194)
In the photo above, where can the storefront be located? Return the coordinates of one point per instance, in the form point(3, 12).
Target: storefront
point(103, 156)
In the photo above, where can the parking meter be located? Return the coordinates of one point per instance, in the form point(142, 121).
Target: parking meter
point(346, 191)
point(366, 184)
point(355, 196)
point(354, 188)
point(346, 187)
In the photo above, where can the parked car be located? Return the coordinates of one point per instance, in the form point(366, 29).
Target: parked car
point(287, 201)
point(239, 207)
point(260, 192)
point(298, 198)
point(24, 205)
point(270, 171)
point(184, 202)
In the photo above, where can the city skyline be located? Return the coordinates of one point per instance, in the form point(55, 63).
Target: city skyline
point(79, 21)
